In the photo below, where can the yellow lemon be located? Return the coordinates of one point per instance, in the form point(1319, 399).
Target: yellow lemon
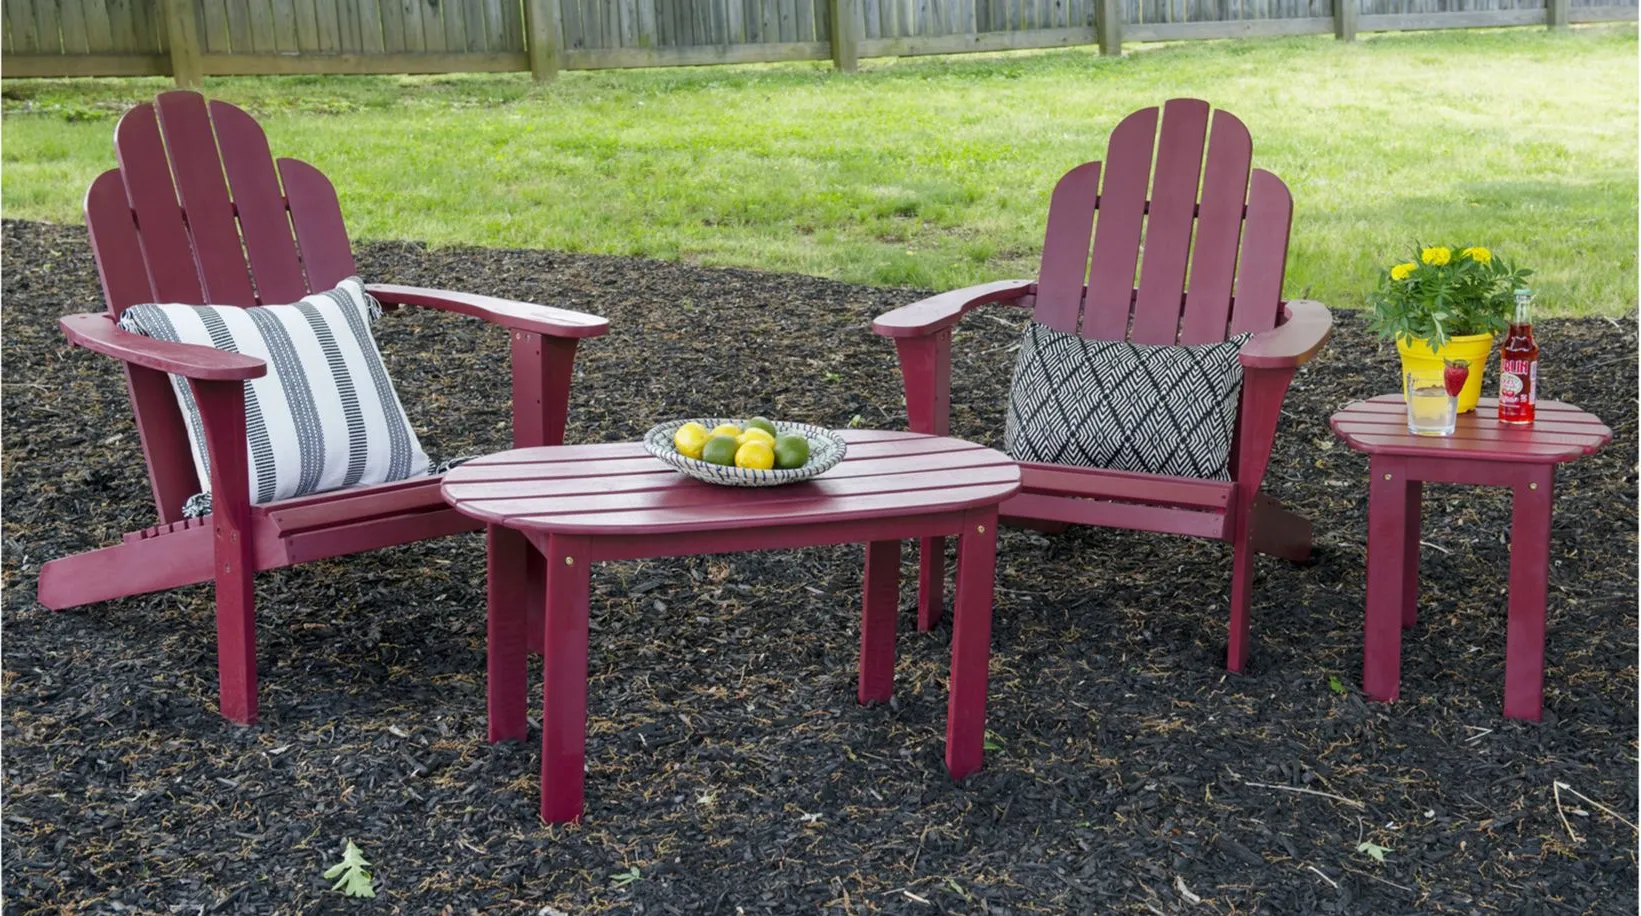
point(725, 429)
point(755, 454)
point(689, 439)
point(754, 434)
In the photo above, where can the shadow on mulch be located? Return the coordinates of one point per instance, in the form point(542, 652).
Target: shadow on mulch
point(730, 770)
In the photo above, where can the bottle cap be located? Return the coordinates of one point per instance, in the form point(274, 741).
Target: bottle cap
point(1523, 292)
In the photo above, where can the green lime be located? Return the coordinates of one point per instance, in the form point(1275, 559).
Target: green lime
point(720, 449)
point(762, 423)
point(791, 451)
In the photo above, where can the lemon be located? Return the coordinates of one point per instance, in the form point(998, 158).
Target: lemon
point(689, 439)
point(725, 429)
point(756, 434)
point(720, 450)
point(791, 451)
point(755, 454)
point(764, 424)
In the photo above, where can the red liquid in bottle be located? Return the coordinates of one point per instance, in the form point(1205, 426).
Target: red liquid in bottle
point(1518, 367)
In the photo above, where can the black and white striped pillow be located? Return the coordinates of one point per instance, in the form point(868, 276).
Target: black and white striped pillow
point(1126, 407)
point(323, 418)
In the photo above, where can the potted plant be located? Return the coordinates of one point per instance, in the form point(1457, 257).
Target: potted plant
point(1444, 306)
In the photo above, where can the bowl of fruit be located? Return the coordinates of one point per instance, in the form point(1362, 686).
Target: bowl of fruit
point(745, 453)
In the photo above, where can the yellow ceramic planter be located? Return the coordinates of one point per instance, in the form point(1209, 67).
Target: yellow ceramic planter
point(1474, 348)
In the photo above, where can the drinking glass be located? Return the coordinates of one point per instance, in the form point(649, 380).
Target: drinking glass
point(1431, 411)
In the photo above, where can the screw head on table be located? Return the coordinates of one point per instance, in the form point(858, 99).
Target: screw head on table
point(980, 528)
point(569, 561)
point(1532, 486)
point(1387, 476)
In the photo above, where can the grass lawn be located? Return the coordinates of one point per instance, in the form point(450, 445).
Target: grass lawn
point(935, 172)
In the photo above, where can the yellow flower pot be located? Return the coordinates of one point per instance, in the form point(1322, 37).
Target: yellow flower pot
point(1474, 348)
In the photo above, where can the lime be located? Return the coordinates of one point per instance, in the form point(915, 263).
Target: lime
point(791, 451)
point(764, 424)
point(720, 450)
point(725, 429)
point(689, 439)
point(753, 433)
point(756, 455)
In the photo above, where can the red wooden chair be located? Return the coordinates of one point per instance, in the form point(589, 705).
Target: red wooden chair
point(199, 212)
point(1233, 238)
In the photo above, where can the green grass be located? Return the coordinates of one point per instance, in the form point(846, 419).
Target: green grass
point(935, 172)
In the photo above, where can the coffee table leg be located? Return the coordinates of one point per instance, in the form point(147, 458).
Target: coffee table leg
point(564, 679)
point(1386, 569)
point(1529, 587)
point(931, 582)
point(971, 643)
point(877, 622)
point(1414, 511)
point(506, 643)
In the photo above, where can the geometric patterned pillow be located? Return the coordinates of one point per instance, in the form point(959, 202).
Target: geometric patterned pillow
point(1122, 406)
point(324, 417)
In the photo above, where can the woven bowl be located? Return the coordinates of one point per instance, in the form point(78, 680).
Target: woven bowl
point(826, 449)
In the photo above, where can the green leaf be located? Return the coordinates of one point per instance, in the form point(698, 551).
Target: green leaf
point(624, 878)
point(1336, 685)
point(1373, 849)
point(353, 880)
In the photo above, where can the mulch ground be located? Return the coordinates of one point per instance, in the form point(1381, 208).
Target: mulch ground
point(730, 770)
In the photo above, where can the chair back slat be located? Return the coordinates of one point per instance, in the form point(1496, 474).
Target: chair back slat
point(1168, 225)
point(1219, 230)
point(197, 168)
point(115, 245)
point(317, 217)
point(1127, 175)
point(1065, 248)
point(167, 251)
point(1264, 254)
point(263, 220)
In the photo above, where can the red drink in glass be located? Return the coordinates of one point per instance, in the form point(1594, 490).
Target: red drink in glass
point(1518, 366)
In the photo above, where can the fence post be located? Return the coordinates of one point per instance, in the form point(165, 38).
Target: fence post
point(1555, 13)
point(541, 38)
point(182, 36)
point(1344, 19)
point(845, 43)
point(1110, 26)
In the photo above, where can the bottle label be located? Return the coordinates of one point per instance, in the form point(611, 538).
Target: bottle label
point(1518, 382)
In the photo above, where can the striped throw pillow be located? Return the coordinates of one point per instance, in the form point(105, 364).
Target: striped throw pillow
point(323, 418)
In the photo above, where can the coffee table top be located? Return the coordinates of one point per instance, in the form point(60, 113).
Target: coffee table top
point(618, 488)
point(1562, 432)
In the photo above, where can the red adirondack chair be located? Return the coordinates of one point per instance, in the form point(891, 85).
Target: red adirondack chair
point(200, 212)
point(1233, 236)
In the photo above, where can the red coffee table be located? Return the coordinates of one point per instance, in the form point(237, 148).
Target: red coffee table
point(581, 504)
point(1481, 451)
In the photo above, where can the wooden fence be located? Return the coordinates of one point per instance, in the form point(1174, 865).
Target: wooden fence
point(189, 39)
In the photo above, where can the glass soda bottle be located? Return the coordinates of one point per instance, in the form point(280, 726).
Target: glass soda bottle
point(1518, 366)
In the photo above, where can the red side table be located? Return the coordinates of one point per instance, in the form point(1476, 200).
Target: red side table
point(578, 505)
point(1484, 452)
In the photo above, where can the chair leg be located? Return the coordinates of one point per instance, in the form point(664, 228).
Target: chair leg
point(1242, 587)
point(931, 582)
point(236, 643)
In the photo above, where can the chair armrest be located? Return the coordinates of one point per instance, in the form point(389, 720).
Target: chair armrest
point(1292, 343)
point(518, 316)
point(96, 331)
point(938, 312)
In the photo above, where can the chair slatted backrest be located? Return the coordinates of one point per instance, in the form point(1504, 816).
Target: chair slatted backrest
point(199, 212)
point(1214, 235)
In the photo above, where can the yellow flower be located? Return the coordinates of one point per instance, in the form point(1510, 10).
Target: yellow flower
point(1401, 271)
point(1436, 256)
point(1478, 254)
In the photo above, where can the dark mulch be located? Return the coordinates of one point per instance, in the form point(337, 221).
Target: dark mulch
point(728, 762)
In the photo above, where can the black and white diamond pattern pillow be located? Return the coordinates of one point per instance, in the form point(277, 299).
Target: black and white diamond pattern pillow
point(326, 416)
point(1112, 404)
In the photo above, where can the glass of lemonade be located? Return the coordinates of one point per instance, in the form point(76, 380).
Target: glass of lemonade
point(1431, 411)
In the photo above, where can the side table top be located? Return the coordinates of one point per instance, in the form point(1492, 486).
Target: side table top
point(618, 488)
point(1562, 432)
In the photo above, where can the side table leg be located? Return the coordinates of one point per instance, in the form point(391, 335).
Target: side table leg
point(1529, 587)
point(1410, 561)
point(506, 642)
point(971, 642)
point(535, 590)
point(877, 622)
point(931, 582)
point(1386, 572)
point(564, 680)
